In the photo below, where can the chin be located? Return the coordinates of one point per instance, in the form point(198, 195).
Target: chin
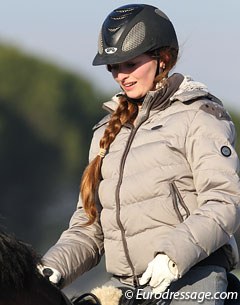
point(134, 96)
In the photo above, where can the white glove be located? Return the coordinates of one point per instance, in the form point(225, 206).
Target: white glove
point(50, 273)
point(162, 271)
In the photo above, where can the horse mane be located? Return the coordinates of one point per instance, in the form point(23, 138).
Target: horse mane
point(20, 281)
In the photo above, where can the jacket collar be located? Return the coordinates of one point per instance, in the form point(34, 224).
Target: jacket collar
point(162, 95)
point(180, 88)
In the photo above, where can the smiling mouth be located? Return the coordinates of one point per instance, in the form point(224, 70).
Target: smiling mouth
point(129, 85)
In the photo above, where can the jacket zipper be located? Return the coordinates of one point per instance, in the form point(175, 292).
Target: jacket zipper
point(177, 197)
point(117, 192)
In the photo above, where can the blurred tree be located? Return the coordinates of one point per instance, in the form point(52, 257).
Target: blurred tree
point(46, 116)
point(236, 119)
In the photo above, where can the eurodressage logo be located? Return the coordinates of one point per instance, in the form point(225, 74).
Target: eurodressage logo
point(110, 50)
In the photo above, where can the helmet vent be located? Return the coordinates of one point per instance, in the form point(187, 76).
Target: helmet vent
point(120, 14)
point(100, 43)
point(121, 17)
point(125, 10)
point(135, 37)
point(112, 30)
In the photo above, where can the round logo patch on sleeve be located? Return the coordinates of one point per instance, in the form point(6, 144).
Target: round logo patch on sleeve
point(226, 151)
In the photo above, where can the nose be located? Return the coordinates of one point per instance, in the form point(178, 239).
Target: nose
point(121, 76)
point(121, 73)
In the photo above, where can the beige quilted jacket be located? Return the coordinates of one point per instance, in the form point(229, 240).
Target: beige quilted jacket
point(170, 184)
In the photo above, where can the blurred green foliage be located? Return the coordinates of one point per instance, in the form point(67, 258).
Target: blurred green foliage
point(46, 119)
point(58, 106)
point(236, 120)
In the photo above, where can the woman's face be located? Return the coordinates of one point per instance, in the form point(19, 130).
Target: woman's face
point(135, 76)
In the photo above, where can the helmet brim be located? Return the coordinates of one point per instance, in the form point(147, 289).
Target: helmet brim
point(111, 59)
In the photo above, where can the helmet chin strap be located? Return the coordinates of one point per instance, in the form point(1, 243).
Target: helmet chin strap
point(136, 101)
point(158, 67)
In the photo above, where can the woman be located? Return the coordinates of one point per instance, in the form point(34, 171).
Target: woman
point(161, 192)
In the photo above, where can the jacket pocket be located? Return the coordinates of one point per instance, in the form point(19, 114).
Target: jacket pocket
point(179, 205)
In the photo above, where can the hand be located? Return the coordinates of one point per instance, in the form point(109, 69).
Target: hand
point(162, 271)
point(50, 273)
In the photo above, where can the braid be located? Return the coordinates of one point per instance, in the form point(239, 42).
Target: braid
point(125, 113)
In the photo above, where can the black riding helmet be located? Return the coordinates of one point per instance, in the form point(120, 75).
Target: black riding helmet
point(132, 30)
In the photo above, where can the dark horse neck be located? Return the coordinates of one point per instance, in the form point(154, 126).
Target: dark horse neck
point(20, 281)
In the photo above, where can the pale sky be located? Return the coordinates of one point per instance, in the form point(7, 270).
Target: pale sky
point(66, 32)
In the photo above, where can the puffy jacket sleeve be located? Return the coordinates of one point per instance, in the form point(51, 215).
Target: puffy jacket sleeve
point(214, 164)
point(79, 248)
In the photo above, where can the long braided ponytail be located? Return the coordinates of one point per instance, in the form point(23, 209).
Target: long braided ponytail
point(125, 113)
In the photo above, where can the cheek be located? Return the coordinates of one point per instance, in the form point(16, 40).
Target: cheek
point(148, 74)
